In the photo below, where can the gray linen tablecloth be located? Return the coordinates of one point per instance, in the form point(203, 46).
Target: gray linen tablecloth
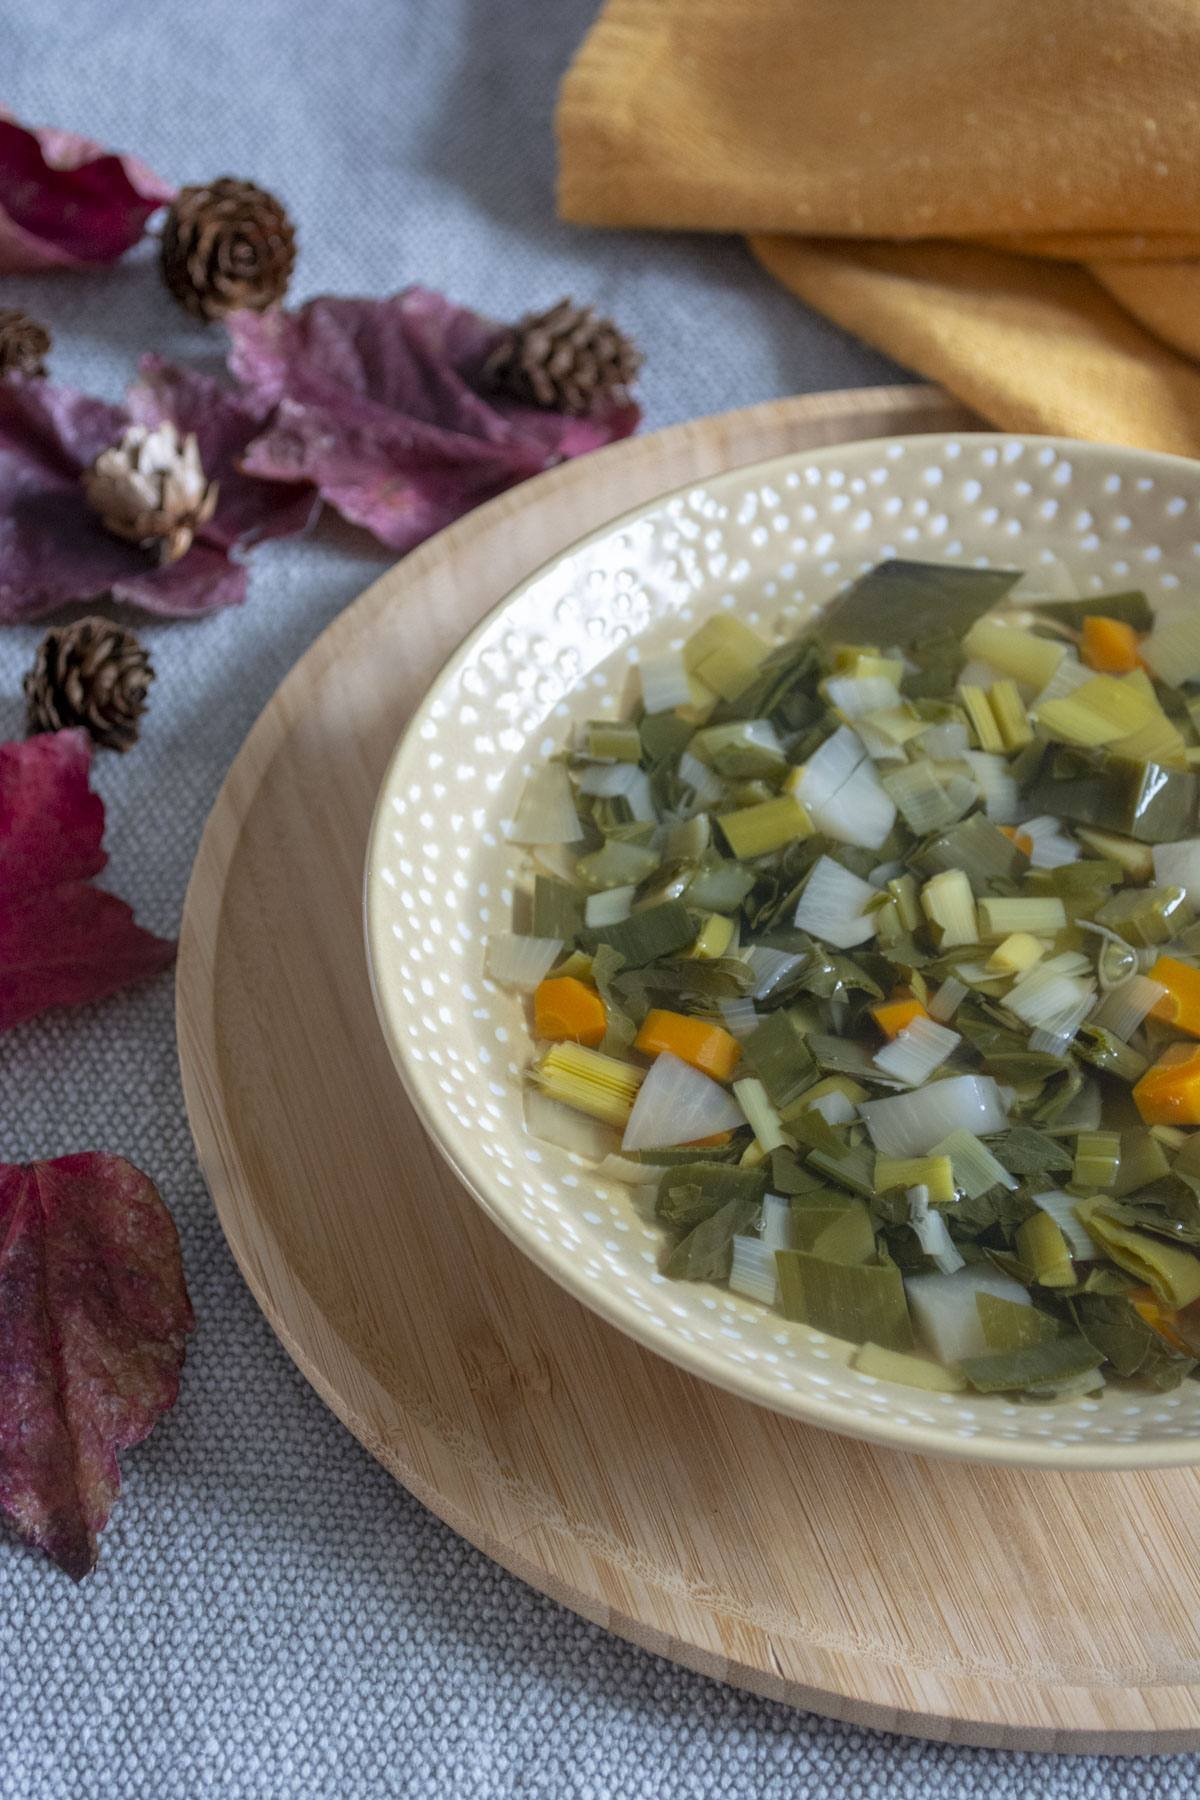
point(273, 1616)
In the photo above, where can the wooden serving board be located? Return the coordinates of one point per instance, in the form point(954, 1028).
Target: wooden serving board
point(982, 1605)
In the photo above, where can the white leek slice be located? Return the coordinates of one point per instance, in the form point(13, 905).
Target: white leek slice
point(1061, 1208)
point(554, 1123)
point(634, 1174)
point(1056, 1036)
point(609, 907)
point(770, 968)
point(753, 1272)
point(843, 794)
point(835, 1107)
point(706, 785)
point(740, 1017)
point(1178, 865)
point(1123, 1008)
point(946, 743)
point(856, 695)
point(911, 1124)
point(1052, 848)
point(945, 1002)
point(997, 785)
point(916, 1051)
point(676, 1104)
point(664, 680)
point(762, 1117)
point(975, 1168)
point(625, 781)
point(546, 814)
point(932, 1233)
point(832, 905)
point(945, 1312)
point(778, 1232)
point(520, 962)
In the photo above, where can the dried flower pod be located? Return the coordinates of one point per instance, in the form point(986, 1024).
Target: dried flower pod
point(151, 489)
point(92, 673)
point(567, 358)
point(24, 344)
point(226, 245)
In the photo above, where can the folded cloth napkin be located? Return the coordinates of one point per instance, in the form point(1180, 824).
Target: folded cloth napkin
point(1003, 194)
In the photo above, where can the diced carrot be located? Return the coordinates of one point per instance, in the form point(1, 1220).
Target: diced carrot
point(1109, 645)
point(1180, 1005)
point(893, 1015)
point(1150, 1310)
point(1021, 839)
point(707, 1047)
point(568, 1011)
point(1169, 1091)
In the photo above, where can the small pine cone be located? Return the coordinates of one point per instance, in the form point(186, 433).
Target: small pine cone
point(92, 673)
point(227, 244)
point(24, 343)
point(151, 490)
point(565, 358)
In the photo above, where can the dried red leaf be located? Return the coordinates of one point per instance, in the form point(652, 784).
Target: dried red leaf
point(62, 941)
point(381, 405)
point(94, 1314)
point(53, 549)
point(66, 203)
point(224, 421)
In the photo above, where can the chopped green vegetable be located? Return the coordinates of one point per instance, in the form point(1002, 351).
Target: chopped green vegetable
point(909, 1371)
point(557, 909)
point(778, 1053)
point(933, 1172)
point(851, 1166)
point(757, 830)
point(692, 1192)
point(617, 864)
point(646, 936)
point(612, 740)
point(706, 1253)
point(725, 655)
point(1033, 1366)
point(1043, 1249)
point(847, 1300)
point(906, 602)
point(1174, 1274)
point(839, 1233)
point(1146, 916)
point(1131, 608)
point(1007, 1325)
point(1097, 1159)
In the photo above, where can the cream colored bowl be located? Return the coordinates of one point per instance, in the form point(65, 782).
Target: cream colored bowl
point(773, 541)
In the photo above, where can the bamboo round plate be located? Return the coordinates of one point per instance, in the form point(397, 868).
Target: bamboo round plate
point(1030, 1609)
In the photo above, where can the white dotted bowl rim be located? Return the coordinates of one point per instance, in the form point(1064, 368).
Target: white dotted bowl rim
point(466, 1155)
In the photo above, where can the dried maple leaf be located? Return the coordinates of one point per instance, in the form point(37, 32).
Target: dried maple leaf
point(62, 941)
point(53, 549)
point(93, 1317)
point(65, 202)
point(381, 405)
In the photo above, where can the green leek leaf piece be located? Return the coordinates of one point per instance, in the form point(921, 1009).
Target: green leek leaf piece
point(847, 1300)
point(839, 1233)
point(1041, 1246)
point(1143, 1160)
point(1111, 1054)
point(736, 750)
point(1024, 1151)
point(663, 736)
point(1131, 608)
point(1147, 916)
point(1146, 801)
point(908, 1371)
point(645, 936)
point(778, 1053)
point(681, 1155)
point(1173, 1273)
point(1033, 1366)
point(851, 1166)
point(976, 846)
point(620, 1028)
point(908, 602)
point(706, 1253)
point(613, 740)
point(1007, 1325)
point(694, 1191)
point(1115, 1329)
point(1097, 1159)
point(557, 909)
point(789, 1175)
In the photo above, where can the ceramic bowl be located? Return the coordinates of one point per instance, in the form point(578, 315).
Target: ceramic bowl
point(773, 541)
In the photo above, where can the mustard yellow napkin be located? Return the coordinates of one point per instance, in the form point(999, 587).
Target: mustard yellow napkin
point(1003, 194)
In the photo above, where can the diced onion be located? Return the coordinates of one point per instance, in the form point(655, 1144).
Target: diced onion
point(753, 1272)
point(1178, 865)
point(547, 812)
point(520, 962)
point(676, 1104)
point(832, 905)
point(945, 1311)
point(664, 680)
point(911, 1124)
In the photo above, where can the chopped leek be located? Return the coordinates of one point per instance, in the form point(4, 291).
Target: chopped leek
point(973, 1167)
point(846, 1300)
point(520, 962)
point(589, 1081)
point(1043, 1248)
point(949, 906)
point(1032, 1366)
point(908, 1371)
point(757, 830)
point(934, 1173)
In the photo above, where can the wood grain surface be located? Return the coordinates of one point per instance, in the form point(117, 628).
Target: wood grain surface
point(989, 1606)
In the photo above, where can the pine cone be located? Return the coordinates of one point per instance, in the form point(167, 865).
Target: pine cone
point(151, 490)
point(566, 358)
point(227, 244)
point(92, 673)
point(23, 343)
